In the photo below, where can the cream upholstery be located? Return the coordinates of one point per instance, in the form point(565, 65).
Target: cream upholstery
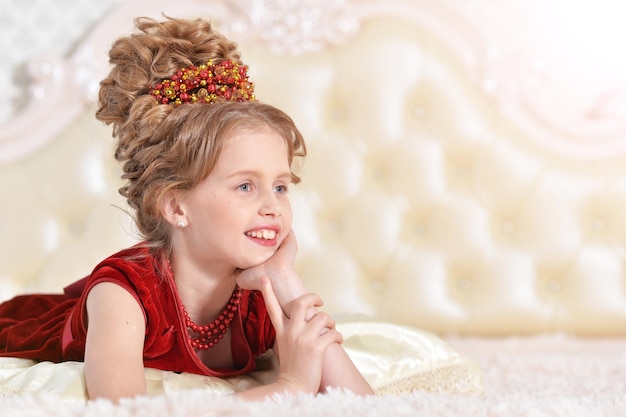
point(425, 201)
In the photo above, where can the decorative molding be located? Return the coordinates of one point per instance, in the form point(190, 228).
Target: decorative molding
point(293, 26)
point(550, 100)
point(558, 74)
point(60, 88)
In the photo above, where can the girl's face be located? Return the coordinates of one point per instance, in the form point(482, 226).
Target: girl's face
point(239, 215)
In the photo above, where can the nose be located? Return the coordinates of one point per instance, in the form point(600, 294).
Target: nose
point(269, 204)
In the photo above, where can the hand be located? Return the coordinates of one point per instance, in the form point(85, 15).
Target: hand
point(280, 267)
point(300, 343)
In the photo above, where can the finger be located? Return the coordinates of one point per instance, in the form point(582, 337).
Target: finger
point(274, 309)
point(323, 319)
point(331, 323)
point(303, 304)
point(330, 337)
point(322, 322)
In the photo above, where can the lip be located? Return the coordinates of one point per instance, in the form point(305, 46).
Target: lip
point(264, 242)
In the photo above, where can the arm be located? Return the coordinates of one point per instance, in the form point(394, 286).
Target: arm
point(300, 345)
point(339, 371)
point(337, 368)
point(114, 346)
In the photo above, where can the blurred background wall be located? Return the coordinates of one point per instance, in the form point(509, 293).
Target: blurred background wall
point(560, 43)
point(467, 164)
point(564, 57)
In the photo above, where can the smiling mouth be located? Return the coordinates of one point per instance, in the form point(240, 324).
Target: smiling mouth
point(262, 234)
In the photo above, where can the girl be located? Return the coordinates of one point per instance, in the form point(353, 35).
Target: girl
point(213, 285)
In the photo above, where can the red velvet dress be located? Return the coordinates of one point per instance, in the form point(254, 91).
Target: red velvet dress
point(52, 327)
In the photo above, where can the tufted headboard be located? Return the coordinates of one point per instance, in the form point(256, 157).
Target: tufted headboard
point(453, 183)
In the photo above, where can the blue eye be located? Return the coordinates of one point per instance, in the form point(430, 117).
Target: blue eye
point(245, 187)
point(281, 189)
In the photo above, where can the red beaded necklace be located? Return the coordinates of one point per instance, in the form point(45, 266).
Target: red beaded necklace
point(210, 334)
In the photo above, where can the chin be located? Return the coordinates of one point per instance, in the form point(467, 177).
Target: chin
point(251, 263)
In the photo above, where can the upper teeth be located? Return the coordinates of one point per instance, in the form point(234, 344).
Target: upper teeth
point(262, 234)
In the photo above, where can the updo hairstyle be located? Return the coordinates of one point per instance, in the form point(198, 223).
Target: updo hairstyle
point(165, 147)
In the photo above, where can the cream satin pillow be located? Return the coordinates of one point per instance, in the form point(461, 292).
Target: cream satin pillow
point(397, 359)
point(66, 380)
point(394, 359)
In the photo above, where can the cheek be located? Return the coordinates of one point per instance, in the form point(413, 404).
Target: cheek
point(287, 215)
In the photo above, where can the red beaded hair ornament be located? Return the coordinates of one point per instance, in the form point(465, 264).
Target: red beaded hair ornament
point(206, 83)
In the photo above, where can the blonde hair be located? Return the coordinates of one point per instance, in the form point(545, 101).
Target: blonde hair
point(163, 147)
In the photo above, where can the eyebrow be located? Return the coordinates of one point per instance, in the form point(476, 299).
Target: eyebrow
point(247, 173)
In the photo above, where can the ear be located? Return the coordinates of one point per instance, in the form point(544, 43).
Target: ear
point(173, 209)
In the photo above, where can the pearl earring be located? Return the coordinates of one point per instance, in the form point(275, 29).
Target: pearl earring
point(181, 224)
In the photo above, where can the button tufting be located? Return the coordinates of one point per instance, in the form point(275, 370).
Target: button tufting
point(508, 226)
point(420, 112)
point(377, 285)
point(418, 229)
point(380, 173)
point(333, 226)
point(464, 284)
point(338, 114)
point(554, 285)
point(599, 225)
point(75, 226)
point(461, 171)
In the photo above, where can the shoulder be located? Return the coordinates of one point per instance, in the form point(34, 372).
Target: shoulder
point(133, 266)
point(138, 257)
point(106, 294)
point(135, 270)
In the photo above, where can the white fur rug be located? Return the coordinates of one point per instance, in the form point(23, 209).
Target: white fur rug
point(550, 375)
